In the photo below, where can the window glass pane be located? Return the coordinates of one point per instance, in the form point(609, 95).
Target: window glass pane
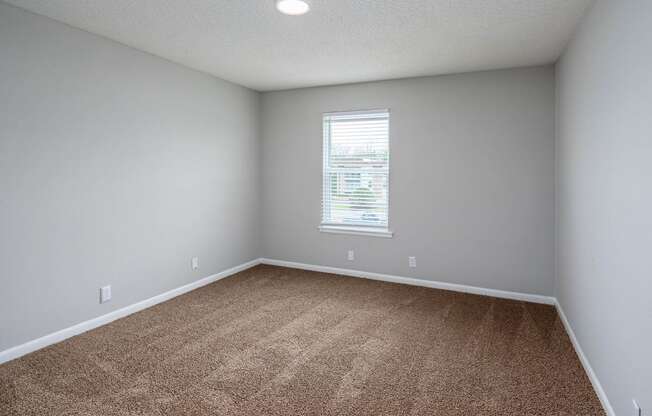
point(356, 169)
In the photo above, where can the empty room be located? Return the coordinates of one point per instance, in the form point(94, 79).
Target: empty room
point(325, 207)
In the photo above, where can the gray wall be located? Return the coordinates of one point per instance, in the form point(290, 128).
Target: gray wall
point(116, 167)
point(471, 187)
point(605, 196)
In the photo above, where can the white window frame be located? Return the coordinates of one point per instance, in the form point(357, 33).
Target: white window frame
point(361, 230)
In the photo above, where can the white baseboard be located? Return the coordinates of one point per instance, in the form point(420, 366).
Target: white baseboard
point(548, 300)
point(53, 338)
point(415, 282)
point(585, 362)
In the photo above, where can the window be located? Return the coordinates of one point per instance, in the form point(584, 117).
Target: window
point(356, 173)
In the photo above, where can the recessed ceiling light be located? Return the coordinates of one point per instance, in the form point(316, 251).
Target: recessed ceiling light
point(292, 7)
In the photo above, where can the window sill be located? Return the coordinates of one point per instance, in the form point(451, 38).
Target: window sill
point(352, 230)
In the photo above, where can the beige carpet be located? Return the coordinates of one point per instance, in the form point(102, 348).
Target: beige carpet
point(277, 341)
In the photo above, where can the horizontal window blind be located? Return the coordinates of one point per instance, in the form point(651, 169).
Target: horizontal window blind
point(356, 169)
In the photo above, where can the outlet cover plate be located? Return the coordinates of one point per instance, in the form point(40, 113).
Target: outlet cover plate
point(105, 294)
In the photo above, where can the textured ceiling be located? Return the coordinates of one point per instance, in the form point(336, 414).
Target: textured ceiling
point(340, 41)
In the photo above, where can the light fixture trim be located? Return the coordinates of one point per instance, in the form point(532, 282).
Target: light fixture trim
point(292, 7)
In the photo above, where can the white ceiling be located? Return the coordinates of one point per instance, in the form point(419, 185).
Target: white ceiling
point(339, 41)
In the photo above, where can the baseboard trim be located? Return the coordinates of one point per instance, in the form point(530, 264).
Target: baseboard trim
point(415, 282)
point(55, 337)
point(602, 395)
point(548, 300)
point(30, 346)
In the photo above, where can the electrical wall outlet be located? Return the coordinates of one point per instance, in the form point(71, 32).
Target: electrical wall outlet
point(195, 263)
point(412, 261)
point(105, 294)
point(351, 255)
point(637, 409)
